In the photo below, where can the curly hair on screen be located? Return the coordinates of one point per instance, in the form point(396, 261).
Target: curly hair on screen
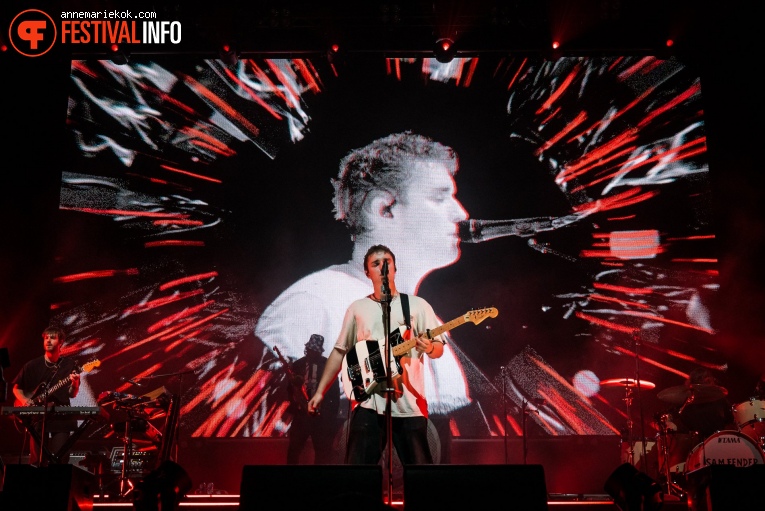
point(383, 166)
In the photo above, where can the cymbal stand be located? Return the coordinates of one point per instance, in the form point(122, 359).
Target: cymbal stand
point(636, 338)
point(126, 485)
point(669, 486)
point(630, 424)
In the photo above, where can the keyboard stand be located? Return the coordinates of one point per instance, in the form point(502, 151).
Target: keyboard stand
point(55, 457)
point(30, 427)
point(72, 439)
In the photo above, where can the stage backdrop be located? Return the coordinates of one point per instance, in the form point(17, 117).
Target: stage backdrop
point(195, 195)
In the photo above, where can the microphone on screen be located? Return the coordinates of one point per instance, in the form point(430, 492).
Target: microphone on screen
point(130, 380)
point(476, 231)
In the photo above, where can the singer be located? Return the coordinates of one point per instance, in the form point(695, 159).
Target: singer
point(367, 436)
point(31, 386)
point(398, 191)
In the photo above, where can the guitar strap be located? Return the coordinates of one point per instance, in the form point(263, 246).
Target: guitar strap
point(405, 308)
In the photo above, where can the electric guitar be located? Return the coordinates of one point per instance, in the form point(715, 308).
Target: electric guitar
point(363, 366)
point(39, 395)
point(299, 396)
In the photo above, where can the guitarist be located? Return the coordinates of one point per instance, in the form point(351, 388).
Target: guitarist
point(29, 390)
point(367, 435)
point(304, 379)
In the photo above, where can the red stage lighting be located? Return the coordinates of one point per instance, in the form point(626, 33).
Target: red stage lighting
point(445, 50)
point(117, 54)
point(228, 53)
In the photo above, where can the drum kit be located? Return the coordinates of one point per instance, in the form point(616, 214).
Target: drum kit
point(681, 452)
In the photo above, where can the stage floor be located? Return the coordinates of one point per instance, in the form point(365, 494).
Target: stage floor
point(554, 503)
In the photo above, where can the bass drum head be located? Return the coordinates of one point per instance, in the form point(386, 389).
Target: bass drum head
point(725, 448)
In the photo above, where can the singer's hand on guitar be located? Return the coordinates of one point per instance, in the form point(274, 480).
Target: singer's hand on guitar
point(433, 349)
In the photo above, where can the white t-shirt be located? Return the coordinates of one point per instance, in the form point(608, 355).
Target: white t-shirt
point(364, 321)
point(316, 304)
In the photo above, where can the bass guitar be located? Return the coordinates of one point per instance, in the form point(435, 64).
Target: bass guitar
point(299, 396)
point(364, 367)
point(39, 394)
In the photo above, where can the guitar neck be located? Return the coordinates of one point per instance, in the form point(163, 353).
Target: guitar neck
point(298, 394)
point(405, 346)
point(446, 327)
point(40, 398)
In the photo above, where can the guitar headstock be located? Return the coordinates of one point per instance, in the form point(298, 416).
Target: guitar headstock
point(90, 365)
point(476, 316)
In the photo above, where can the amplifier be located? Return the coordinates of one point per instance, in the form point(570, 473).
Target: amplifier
point(141, 462)
point(75, 457)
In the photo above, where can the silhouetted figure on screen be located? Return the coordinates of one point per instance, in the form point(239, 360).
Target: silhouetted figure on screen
point(319, 427)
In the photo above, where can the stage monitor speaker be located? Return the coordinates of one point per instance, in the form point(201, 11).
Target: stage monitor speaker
point(428, 487)
point(726, 488)
point(61, 487)
point(300, 487)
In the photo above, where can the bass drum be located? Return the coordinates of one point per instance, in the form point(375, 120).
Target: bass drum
point(676, 447)
point(725, 448)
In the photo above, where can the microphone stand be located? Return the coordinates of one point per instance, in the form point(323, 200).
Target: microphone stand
point(43, 432)
point(385, 299)
point(504, 410)
point(525, 411)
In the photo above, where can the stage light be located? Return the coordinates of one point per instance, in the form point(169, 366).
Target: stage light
point(228, 53)
point(445, 50)
point(555, 45)
point(162, 489)
point(633, 490)
point(118, 54)
point(670, 43)
point(334, 53)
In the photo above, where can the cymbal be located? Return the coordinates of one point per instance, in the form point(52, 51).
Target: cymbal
point(702, 393)
point(627, 382)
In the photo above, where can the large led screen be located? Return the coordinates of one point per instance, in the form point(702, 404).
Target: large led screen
point(215, 216)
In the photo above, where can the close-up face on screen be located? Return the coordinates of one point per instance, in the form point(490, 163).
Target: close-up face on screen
point(214, 217)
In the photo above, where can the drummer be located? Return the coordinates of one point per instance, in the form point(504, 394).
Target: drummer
point(706, 416)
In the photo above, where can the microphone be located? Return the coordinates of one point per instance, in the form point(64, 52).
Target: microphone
point(384, 271)
point(131, 380)
point(476, 231)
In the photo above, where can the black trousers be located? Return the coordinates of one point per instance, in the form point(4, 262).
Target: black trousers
point(321, 430)
point(367, 438)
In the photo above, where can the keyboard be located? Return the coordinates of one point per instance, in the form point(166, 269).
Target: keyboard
point(74, 412)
